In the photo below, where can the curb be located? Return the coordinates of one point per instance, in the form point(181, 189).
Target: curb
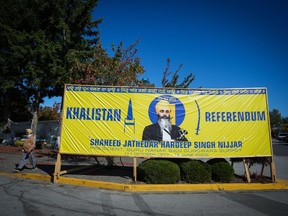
point(279, 185)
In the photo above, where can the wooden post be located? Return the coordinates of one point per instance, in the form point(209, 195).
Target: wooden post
point(272, 169)
point(246, 170)
point(135, 169)
point(57, 170)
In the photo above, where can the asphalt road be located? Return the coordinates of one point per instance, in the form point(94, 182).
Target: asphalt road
point(280, 152)
point(280, 148)
point(27, 197)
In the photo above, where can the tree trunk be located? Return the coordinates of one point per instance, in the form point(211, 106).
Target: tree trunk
point(34, 125)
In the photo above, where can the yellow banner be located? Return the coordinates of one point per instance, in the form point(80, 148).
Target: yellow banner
point(157, 122)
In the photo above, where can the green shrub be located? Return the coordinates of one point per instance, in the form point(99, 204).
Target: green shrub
point(222, 172)
point(207, 166)
point(195, 171)
point(158, 172)
point(178, 161)
point(216, 160)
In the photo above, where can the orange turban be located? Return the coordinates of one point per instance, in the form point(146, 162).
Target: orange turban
point(162, 105)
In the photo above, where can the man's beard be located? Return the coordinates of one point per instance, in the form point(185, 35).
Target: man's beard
point(165, 122)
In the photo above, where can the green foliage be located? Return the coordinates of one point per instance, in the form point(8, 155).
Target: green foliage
point(222, 172)
point(206, 165)
point(216, 160)
point(277, 123)
point(121, 69)
point(275, 118)
point(50, 113)
point(39, 40)
point(45, 44)
point(158, 172)
point(14, 105)
point(178, 161)
point(145, 83)
point(195, 171)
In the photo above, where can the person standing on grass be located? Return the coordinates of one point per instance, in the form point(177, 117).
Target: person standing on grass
point(27, 152)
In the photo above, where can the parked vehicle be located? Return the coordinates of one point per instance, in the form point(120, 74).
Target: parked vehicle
point(282, 136)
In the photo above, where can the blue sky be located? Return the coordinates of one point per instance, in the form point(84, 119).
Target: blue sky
point(224, 43)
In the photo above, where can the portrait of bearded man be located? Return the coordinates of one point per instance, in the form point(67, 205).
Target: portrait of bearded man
point(163, 129)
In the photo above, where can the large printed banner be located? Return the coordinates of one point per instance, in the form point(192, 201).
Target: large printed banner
point(158, 122)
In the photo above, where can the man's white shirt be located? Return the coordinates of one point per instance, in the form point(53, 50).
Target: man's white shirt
point(166, 136)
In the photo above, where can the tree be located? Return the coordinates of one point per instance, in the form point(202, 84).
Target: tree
point(175, 78)
point(45, 44)
point(275, 118)
point(122, 69)
point(275, 122)
point(39, 42)
point(50, 113)
point(14, 105)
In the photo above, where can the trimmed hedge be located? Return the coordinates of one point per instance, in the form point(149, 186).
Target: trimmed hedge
point(171, 171)
point(216, 160)
point(155, 171)
point(222, 172)
point(178, 161)
point(195, 171)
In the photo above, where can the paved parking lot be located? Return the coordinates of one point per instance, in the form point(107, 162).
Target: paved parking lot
point(123, 171)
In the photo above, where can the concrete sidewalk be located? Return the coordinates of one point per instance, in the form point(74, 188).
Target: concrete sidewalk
point(119, 177)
